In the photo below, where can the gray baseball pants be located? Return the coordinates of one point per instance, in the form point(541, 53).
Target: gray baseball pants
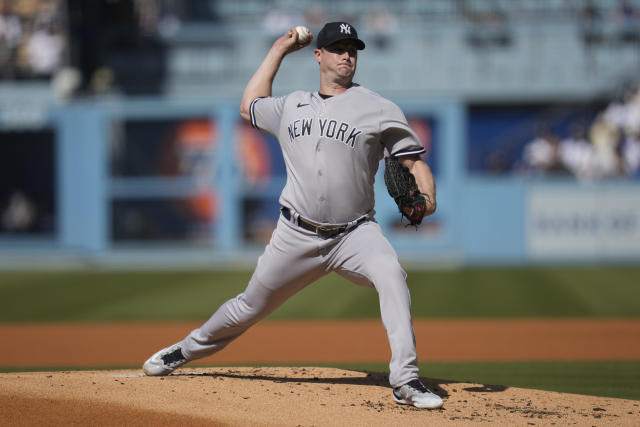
point(293, 259)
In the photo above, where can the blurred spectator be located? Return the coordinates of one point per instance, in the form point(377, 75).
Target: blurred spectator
point(31, 42)
point(44, 50)
point(610, 149)
point(20, 213)
point(116, 47)
point(631, 155)
point(148, 17)
point(615, 114)
point(615, 135)
point(542, 154)
point(10, 36)
point(606, 141)
point(628, 22)
point(632, 113)
point(577, 154)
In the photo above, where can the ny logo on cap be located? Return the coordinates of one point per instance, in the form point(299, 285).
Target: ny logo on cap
point(345, 29)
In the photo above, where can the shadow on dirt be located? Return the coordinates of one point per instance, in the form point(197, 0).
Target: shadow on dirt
point(371, 379)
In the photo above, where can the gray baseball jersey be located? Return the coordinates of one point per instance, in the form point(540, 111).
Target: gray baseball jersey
point(332, 148)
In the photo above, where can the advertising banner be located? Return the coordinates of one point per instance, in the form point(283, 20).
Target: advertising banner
point(583, 222)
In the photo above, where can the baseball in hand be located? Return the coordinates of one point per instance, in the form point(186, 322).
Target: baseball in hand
point(304, 34)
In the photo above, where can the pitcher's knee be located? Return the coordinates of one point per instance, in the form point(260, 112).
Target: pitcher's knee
point(241, 311)
point(385, 269)
point(249, 307)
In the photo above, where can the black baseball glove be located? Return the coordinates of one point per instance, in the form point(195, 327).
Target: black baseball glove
point(402, 186)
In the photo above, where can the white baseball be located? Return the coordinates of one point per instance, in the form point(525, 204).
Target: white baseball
point(304, 34)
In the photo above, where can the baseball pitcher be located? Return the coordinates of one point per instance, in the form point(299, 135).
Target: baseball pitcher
point(332, 141)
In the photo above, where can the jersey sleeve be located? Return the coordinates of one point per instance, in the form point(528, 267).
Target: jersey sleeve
point(398, 138)
point(266, 113)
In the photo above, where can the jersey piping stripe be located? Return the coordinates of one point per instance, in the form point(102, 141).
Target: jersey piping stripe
point(251, 113)
point(408, 153)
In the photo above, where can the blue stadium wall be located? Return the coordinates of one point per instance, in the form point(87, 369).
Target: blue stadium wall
point(503, 219)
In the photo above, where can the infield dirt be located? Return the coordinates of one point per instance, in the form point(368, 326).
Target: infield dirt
point(270, 396)
point(127, 345)
point(281, 397)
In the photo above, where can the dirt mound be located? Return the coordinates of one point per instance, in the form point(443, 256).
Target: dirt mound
point(272, 396)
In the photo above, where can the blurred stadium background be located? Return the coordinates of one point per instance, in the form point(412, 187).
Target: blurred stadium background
point(121, 145)
point(121, 148)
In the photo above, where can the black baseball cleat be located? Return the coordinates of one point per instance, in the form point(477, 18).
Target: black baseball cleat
point(164, 361)
point(416, 394)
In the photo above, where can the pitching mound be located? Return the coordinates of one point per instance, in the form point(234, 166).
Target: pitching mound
point(282, 396)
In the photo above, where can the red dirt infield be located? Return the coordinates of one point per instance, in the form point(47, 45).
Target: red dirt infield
point(270, 396)
point(91, 345)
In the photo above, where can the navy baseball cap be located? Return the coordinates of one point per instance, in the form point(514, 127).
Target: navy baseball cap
point(336, 31)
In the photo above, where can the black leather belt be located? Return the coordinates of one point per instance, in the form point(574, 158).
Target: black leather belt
point(324, 232)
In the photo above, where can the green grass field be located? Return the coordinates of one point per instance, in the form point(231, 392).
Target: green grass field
point(82, 296)
point(587, 292)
